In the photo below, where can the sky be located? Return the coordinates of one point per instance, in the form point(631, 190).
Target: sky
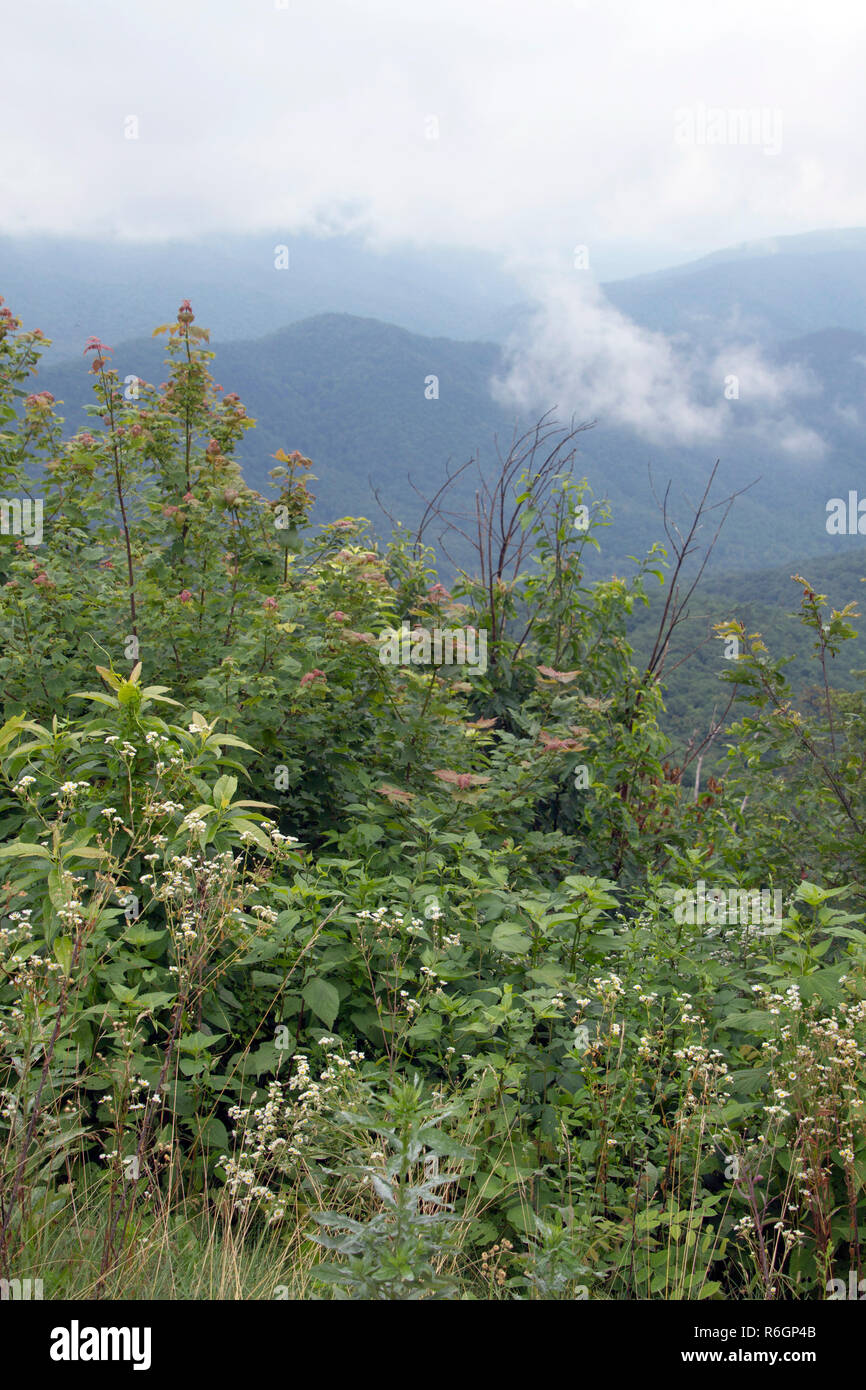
point(645, 133)
point(609, 136)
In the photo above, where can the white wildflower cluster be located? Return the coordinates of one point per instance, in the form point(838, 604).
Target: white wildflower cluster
point(163, 746)
point(8, 1106)
point(200, 895)
point(22, 928)
point(70, 913)
point(384, 922)
point(69, 791)
point(23, 784)
point(278, 838)
point(186, 875)
point(275, 1137)
point(776, 1004)
point(643, 997)
point(816, 1065)
point(138, 1100)
point(185, 931)
point(431, 979)
point(708, 1079)
point(379, 920)
point(609, 988)
point(30, 981)
point(31, 974)
point(264, 914)
point(687, 1008)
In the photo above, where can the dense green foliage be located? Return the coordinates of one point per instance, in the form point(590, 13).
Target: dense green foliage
point(371, 980)
point(350, 393)
point(696, 694)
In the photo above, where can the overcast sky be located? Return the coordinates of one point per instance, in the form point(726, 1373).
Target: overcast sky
point(556, 121)
point(611, 135)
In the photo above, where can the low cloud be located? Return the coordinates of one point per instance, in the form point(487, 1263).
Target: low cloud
point(581, 355)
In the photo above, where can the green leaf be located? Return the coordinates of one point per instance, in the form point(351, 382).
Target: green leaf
point(241, 826)
point(63, 948)
point(510, 939)
point(19, 849)
point(224, 789)
point(323, 999)
point(198, 1042)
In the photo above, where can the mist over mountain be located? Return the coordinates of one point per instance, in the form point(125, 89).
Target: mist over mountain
point(754, 356)
point(767, 290)
point(72, 287)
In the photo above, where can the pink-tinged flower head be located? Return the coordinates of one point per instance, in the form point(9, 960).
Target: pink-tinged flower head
point(185, 313)
point(311, 676)
point(338, 616)
point(185, 595)
point(270, 603)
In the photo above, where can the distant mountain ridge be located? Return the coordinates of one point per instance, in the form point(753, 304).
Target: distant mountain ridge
point(71, 288)
point(771, 290)
point(349, 389)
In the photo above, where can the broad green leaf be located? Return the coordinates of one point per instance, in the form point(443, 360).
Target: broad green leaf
point(323, 999)
point(510, 939)
point(63, 948)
